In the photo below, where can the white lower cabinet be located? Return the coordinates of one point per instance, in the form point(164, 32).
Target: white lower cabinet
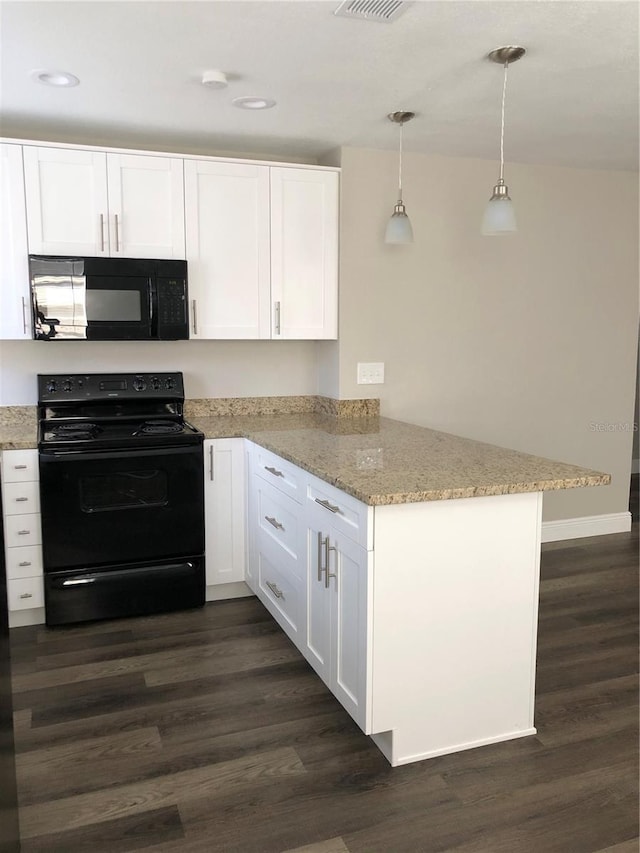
point(338, 616)
point(23, 534)
point(225, 515)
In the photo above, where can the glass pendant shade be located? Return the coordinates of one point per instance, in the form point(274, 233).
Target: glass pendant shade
point(399, 228)
point(499, 216)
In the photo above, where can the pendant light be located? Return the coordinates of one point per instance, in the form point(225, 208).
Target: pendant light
point(499, 217)
point(399, 228)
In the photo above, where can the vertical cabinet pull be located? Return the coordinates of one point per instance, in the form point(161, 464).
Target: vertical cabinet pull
point(277, 318)
point(117, 232)
point(102, 232)
point(194, 314)
point(320, 568)
point(327, 573)
point(211, 462)
point(25, 324)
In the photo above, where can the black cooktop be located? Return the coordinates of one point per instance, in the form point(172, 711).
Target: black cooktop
point(104, 411)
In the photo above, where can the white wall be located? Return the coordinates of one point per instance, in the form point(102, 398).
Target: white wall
point(211, 368)
point(525, 341)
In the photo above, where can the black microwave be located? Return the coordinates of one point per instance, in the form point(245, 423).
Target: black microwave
point(108, 299)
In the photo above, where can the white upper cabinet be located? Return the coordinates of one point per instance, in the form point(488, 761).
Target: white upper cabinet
point(304, 253)
point(15, 311)
point(262, 249)
point(227, 225)
point(98, 204)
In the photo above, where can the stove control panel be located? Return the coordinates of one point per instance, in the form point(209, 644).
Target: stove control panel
point(108, 386)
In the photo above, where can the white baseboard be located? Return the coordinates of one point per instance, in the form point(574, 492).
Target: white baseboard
point(588, 525)
point(635, 466)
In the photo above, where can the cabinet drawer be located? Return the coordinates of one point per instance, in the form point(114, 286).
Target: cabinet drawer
point(18, 466)
point(281, 594)
point(25, 593)
point(280, 473)
point(343, 512)
point(24, 562)
point(279, 519)
point(23, 530)
point(21, 498)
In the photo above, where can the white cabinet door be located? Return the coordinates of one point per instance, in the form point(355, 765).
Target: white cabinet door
point(304, 253)
point(227, 234)
point(350, 626)
point(146, 206)
point(224, 498)
point(66, 192)
point(337, 641)
point(15, 303)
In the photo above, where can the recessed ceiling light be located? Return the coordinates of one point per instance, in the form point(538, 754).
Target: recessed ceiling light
point(55, 78)
point(251, 103)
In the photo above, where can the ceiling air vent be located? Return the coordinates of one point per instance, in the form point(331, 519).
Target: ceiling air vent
point(384, 11)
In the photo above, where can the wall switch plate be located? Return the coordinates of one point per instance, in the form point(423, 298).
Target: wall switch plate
point(371, 373)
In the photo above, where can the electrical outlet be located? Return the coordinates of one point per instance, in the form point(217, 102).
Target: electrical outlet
point(371, 373)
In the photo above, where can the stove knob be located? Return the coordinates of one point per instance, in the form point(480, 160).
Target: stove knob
point(67, 385)
point(139, 384)
point(155, 383)
point(169, 383)
point(52, 386)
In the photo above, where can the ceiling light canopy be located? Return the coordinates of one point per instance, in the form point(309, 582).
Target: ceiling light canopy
point(399, 228)
point(499, 216)
point(61, 79)
point(250, 102)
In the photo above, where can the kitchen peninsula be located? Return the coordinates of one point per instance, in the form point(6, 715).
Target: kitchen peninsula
point(403, 562)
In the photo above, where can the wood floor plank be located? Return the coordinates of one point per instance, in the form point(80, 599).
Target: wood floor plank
point(331, 845)
point(125, 800)
point(630, 846)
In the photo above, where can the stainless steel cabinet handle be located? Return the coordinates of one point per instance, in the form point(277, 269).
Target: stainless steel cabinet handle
point(19, 467)
point(194, 314)
point(25, 324)
point(23, 532)
point(274, 522)
point(20, 500)
point(327, 505)
point(328, 574)
point(274, 589)
point(26, 595)
point(117, 233)
point(102, 232)
point(24, 563)
point(277, 319)
point(211, 462)
point(273, 471)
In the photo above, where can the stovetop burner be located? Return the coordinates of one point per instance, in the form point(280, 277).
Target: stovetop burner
point(160, 427)
point(75, 432)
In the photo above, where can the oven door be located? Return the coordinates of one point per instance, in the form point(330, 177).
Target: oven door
point(121, 506)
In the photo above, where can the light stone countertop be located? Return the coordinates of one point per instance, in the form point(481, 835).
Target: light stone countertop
point(378, 460)
point(382, 461)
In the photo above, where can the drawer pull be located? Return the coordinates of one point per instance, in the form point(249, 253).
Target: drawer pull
point(274, 589)
point(273, 471)
point(328, 506)
point(24, 563)
point(274, 522)
point(23, 532)
point(26, 595)
point(20, 500)
point(19, 467)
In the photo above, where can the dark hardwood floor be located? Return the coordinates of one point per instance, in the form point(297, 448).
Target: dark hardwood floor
point(206, 731)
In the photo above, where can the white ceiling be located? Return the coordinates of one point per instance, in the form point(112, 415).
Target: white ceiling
point(572, 100)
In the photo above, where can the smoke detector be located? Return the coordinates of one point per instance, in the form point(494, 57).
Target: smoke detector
point(215, 79)
point(383, 11)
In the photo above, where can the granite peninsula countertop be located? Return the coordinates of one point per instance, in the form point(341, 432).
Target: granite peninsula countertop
point(378, 460)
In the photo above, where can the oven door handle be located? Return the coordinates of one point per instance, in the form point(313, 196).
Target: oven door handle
point(121, 453)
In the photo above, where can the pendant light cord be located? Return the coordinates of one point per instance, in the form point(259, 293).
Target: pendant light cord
point(504, 94)
point(400, 166)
